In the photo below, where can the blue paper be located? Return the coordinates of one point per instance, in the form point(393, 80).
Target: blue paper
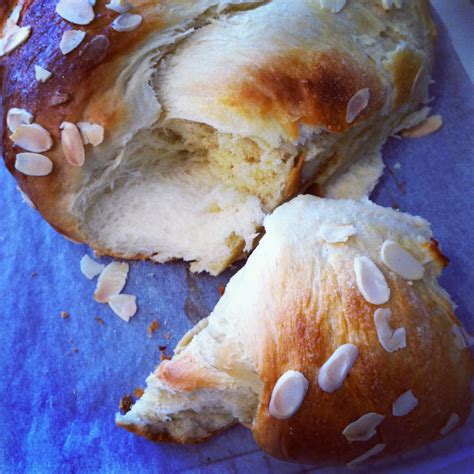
point(61, 379)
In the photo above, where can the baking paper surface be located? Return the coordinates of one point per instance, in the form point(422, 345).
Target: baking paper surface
point(61, 379)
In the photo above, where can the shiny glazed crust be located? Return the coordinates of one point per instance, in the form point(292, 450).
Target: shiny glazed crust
point(306, 87)
point(293, 304)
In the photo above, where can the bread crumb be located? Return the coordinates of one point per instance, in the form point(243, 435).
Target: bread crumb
point(222, 290)
point(126, 403)
point(167, 335)
point(153, 327)
point(64, 314)
point(163, 357)
point(138, 392)
point(34, 274)
point(99, 320)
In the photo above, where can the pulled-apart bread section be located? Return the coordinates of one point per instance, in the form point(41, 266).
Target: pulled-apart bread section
point(331, 350)
point(169, 131)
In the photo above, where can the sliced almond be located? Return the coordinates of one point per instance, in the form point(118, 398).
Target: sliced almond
point(427, 127)
point(90, 268)
point(357, 104)
point(288, 395)
point(70, 40)
point(124, 306)
point(459, 339)
point(389, 4)
point(334, 371)
point(33, 164)
point(79, 12)
point(401, 261)
point(126, 22)
point(111, 281)
point(337, 233)
point(119, 6)
point(364, 428)
point(371, 281)
point(32, 138)
point(17, 117)
point(334, 6)
point(377, 449)
point(404, 404)
point(72, 145)
point(42, 75)
point(391, 340)
point(452, 422)
point(13, 36)
point(92, 133)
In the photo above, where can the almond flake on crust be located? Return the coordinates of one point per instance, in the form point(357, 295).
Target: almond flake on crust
point(288, 395)
point(377, 449)
point(119, 6)
point(33, 164)
point(126, 22)
point(371, 281)
point(72, 145)
point(79, 12)
point(13, 36)
point(17, 117)
point(390, 339)
point(70, 40)
point(427, 127)
point(364, 428)
point(334, 371)
point(401, 261)
point(452, 422)
point(337, 233)
point(357, 104)
point(42, 74)
point(404, 404)
point(334, 6)
point(91, 133)
point(32, 137)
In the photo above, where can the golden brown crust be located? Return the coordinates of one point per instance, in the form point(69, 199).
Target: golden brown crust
point(313, 323)
point(88, 71)
point(309, 87)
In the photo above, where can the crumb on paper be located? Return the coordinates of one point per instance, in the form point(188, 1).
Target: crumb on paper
point(138, 392)
point(34, 274)
point(64, 314)
point(222, 290)
point(163, 355)
point(153, 327)
point(167, 335)
point(397, 166)
point(126, 403)
point(99, 320)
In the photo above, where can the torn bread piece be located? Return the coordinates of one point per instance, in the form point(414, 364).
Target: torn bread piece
point(292, 350)
point(201, 144)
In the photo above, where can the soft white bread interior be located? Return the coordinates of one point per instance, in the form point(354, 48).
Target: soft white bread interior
point(215, 112)
point(302, 296)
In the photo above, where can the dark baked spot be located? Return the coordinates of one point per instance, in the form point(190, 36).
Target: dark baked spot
point(433, 247)
point(126, 403)
point(306, 87)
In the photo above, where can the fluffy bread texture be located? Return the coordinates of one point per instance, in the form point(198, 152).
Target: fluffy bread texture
point(215, 112)
point(289, 308)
